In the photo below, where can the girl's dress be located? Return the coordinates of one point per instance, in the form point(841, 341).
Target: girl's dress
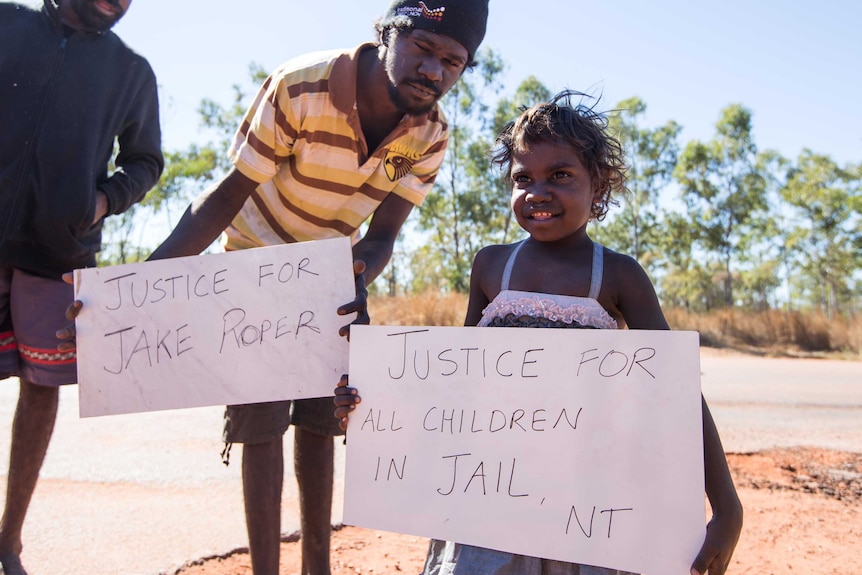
point(513, 308)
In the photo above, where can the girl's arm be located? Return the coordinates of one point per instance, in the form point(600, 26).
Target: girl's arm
point(637, 303)
point(722, 531)
point(478, 299)
point(634, 299)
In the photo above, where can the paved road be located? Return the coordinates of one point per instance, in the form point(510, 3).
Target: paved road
point(759, 403)
point(143, 494)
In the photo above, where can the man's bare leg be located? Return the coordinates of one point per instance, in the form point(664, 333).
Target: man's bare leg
point(262, 478)
point(31, 432)
point(314, 467)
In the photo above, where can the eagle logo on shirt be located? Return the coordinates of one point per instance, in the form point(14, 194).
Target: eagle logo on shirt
point(399, 161)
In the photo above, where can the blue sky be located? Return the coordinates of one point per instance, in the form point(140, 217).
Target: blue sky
point(796, 65)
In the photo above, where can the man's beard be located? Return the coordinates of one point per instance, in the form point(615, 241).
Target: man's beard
point(92, 18)
point(404, 106)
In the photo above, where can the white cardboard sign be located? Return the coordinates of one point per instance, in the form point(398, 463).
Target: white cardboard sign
point(239, 327)
point(577, 445)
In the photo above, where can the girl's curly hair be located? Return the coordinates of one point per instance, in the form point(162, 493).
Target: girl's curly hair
point(578, 125)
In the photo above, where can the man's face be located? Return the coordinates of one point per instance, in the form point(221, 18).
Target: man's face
point(99, 15)
point(422, 66)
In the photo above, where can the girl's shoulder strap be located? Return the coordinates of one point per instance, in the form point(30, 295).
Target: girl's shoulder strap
point(595, 280)
point(510, 263)
point(598, 270)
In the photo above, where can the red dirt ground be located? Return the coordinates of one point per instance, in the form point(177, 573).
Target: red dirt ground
point(803, 514)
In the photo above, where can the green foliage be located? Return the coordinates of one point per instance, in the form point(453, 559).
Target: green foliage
point(724, 191)
point(651, 154)
point(827, 229)
point(758, 285)
point(119, 246)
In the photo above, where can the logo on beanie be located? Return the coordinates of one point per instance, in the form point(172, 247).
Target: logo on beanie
point(421, 11)
point(399, 161)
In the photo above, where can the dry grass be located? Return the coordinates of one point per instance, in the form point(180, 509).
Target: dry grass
point(774, 331)
point(771, 332)
point(431, 308)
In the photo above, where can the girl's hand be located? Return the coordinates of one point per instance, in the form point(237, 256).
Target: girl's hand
point(346, 398)
point(722, 533)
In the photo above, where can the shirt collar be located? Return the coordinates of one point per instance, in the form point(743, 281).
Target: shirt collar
point(343, 84)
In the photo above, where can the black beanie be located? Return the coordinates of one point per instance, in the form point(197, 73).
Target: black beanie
point(461, 20)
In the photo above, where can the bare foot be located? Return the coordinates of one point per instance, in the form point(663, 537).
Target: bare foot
point(12, 564)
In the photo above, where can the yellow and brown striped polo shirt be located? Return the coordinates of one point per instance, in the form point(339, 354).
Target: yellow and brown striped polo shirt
point(301, 140)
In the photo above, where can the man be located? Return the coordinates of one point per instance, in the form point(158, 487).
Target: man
point(330, 140)
point(68, 88)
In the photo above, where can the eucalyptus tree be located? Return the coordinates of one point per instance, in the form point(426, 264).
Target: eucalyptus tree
point(687, 280)
point(651, 156)
point(724, 190)
point(827, 201)
point(763, 266)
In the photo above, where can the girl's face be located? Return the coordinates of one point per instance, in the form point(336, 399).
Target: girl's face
point(552, 192)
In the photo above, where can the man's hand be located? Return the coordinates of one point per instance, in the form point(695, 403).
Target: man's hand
point(360, 304)
point(67, 334)
point(101, 207)
point(346, 398)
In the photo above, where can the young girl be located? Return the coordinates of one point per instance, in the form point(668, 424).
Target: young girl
point(564, 167)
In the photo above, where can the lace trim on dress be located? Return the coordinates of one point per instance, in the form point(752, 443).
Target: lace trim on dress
point(562, 310)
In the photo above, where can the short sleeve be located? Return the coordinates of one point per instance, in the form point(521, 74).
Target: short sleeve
point(267, 133)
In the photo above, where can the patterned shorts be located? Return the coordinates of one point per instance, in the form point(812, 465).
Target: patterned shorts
point(32, 309)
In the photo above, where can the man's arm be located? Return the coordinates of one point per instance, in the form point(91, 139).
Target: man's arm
point(370, 256)
point(102, 207)
point(207, 216)
point(139, 161)
point(372, 253)
point(376, 247)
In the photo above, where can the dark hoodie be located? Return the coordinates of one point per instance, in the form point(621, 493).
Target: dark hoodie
point(64, 97)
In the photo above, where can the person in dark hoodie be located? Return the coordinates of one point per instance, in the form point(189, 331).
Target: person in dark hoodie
point(69, 87)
